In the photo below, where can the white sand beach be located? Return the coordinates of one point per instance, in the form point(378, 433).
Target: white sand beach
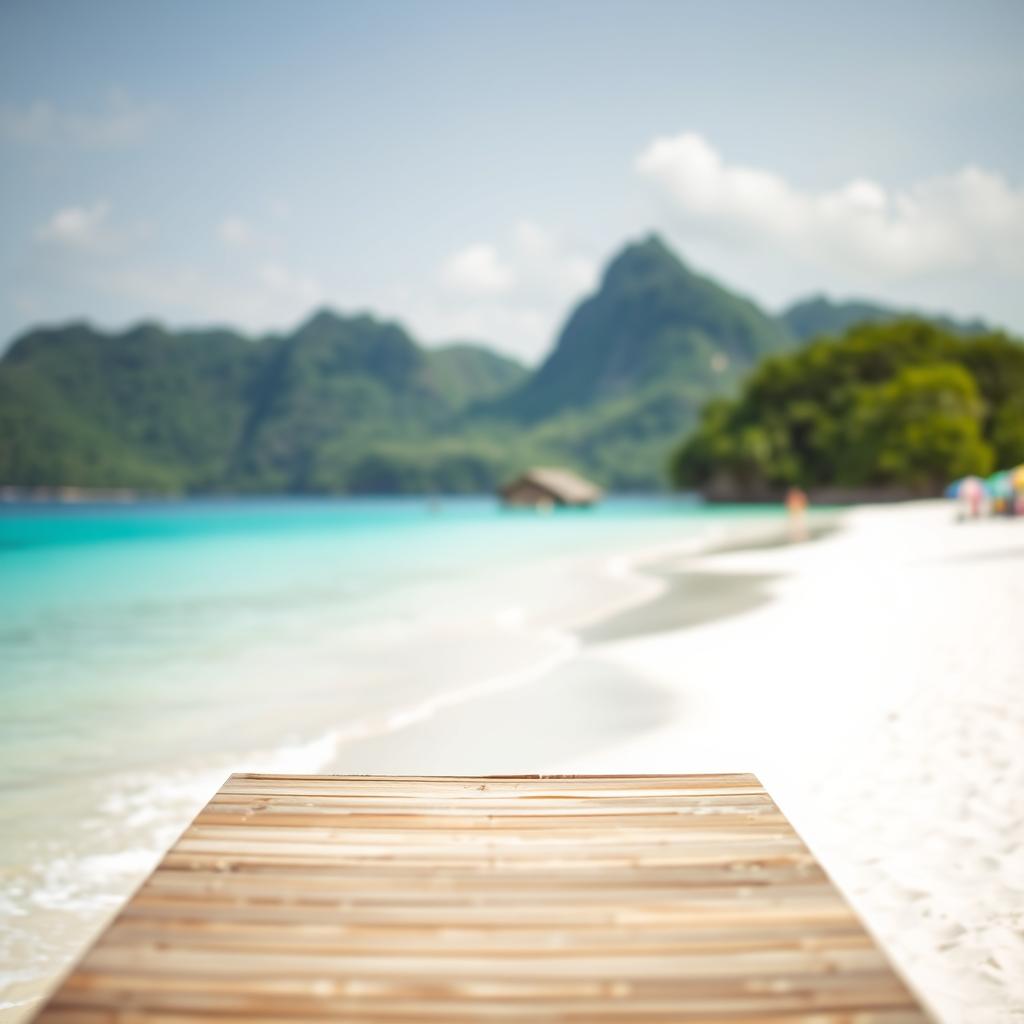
point(878, 695)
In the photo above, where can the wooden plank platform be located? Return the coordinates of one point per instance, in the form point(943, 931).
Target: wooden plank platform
point(585, 898)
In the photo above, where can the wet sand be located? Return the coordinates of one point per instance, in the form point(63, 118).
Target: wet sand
point(577, 710)
point(692, 596)
point(584, 704)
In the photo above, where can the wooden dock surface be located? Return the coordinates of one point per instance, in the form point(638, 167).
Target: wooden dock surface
point(625, 899)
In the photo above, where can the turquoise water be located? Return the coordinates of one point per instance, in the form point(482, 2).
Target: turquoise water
point(148, 649)
point(157, 617)
point(69, 556)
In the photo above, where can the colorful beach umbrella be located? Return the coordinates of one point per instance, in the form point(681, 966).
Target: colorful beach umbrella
point(969, 487)
point(1000, 485)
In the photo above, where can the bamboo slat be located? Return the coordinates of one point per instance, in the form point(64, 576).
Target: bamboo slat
point(677, 898)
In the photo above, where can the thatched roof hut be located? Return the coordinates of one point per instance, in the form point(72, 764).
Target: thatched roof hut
point(546, 487)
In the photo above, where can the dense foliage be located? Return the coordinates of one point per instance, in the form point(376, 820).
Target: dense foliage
point(904, 405)
point(207, 411)
point(352, 404)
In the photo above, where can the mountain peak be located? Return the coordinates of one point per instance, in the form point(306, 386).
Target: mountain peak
point(651, 321)
point(649, 254)
point(321, 319)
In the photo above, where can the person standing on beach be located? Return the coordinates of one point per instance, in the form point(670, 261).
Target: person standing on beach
point(796, 508)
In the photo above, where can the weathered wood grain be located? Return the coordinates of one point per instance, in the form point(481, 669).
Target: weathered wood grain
point(412, 899)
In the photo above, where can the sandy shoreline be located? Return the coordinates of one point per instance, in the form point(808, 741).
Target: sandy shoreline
point(576, 703)
point(871, 678)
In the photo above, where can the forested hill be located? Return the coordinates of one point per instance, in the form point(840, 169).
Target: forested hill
point(353, 404)
point(211, 410)
point(818, 315)
point(652, 322)
point(902, 407)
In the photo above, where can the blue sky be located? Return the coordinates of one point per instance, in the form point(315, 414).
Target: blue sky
point(468, 167)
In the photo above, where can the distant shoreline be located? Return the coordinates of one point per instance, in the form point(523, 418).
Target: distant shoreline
point(823, 495)
point(70, 495)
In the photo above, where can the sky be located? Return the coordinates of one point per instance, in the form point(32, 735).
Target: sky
point(468, 168)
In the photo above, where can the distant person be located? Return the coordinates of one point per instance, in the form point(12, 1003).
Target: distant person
point(796, 509)
point(974, 501)
point(971, 494)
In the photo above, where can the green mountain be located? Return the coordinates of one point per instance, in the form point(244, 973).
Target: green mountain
point(633, 365)
point(353, 404)
point(465, 372)
point(326, 392)
point(820, 315)
point(212, 410)
point(652, 322)
point(146, 408)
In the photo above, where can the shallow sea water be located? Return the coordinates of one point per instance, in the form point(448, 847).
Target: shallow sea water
point(147, 650)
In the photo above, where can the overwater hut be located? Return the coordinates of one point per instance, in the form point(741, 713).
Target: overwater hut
point(547, 487)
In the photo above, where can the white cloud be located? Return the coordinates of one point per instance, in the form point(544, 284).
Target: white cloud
point(859, 232)
point(235, 232)
point(273, 296)
point(513, 294)
point(118, 121)
point(78, 227)
point(477, 270)
point(547, 264)
point(100, 264)
point(292, 287)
